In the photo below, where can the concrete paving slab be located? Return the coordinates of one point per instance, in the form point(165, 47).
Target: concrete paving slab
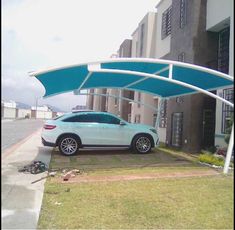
point(21, 200)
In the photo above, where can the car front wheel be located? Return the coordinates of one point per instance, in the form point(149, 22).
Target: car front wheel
point(68, 145)
point(142, 144)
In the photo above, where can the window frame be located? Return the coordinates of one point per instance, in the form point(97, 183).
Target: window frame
point(182, 13)
point(227, 111)
point(166, 22)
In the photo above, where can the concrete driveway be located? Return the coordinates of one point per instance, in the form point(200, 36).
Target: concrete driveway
point(21, 200)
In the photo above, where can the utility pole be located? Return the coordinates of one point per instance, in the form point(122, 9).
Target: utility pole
point(36, 107)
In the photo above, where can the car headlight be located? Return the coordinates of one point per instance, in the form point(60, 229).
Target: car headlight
point(153, 130)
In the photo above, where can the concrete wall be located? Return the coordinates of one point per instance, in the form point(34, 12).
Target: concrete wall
point(162, 47)
point(149, 21)
point(112, 106)
point(9, 112)
point(90, 100)
point(22, 113)
point(43, 114)
point(200, 48)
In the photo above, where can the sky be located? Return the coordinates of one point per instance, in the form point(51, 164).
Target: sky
point(37, 34)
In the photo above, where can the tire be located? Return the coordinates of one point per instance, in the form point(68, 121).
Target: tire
point(68, 145)
point(142, 144)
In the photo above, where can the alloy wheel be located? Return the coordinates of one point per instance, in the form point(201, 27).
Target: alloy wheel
point(69, 146)
point(143, 144)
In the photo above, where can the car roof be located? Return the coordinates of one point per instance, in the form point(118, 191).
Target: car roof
point(86, 112)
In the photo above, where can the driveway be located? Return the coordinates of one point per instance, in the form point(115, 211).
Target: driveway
point(21, 200)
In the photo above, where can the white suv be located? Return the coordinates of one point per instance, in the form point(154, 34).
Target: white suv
point(96, 129)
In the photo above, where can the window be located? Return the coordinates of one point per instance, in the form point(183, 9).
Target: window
point(115, 102)
point(177, 129)
point(154, 119)
point(181, 57)
point(223, 52)
point(163, 115)
point(137, 118)
point(139, 98)
point(166, 22)
point(107, 101)
point(182, 13)
point(227, 111)
point(179, 99)
point(129, 117)
point(141, 40)
point(83, 118)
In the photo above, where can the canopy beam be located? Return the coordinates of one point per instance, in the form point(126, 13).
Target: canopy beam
point(167, 80)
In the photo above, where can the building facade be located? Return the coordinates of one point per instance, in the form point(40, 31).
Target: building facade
point(143, 45)
point(221, 24)
point(187, 31)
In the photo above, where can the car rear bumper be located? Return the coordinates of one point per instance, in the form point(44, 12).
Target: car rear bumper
point(49, 144)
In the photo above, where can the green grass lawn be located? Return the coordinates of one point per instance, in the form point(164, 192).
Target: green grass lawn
point(195, 203)
point(179, 203)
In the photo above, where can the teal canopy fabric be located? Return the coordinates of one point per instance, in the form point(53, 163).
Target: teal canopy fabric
point(155, 76)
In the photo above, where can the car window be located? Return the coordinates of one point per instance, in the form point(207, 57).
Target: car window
point(108, 119)
point(83, 118)
point(93, 118)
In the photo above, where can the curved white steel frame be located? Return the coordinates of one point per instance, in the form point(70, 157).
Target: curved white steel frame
point(164, 79)
point(147, 60)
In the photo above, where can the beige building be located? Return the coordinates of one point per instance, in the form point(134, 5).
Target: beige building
point(118, 106)
point(153, 39)
point(143, 45)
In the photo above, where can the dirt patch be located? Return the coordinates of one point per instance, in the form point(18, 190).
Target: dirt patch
point(86, 179)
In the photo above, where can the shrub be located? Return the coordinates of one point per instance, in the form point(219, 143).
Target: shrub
point(228, 130)
point(211, 159)
point(212, 149)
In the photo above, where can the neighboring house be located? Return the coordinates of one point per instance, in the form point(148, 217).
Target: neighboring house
point(22, 110)
point(190, 119)
point(90, 100)
point(79, 107)
point(41, 112)
point(222, 26)
point(143, 45)
point(188, 31)
point(116, 106)
point(8, 109)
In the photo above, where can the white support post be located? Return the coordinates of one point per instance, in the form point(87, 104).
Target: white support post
point(170, 71)
point(161, 101)
point(229, 152)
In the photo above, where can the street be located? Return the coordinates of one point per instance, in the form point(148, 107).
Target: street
point(17, 130)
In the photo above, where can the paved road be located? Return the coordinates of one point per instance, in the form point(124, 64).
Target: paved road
point(17, 130)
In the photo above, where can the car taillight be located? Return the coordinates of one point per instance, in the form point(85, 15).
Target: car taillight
point(49, 126)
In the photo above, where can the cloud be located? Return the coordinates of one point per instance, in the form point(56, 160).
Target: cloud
point(40, 34)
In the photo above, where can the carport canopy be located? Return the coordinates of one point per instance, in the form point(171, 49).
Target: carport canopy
point(162, 78)
point(158, 77)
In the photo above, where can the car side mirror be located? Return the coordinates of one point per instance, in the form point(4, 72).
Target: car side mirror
point(122, 123)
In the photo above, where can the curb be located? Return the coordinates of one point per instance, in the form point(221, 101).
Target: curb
point(11, 149)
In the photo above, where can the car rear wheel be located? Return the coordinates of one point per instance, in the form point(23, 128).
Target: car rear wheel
point(68, 145)
point(142, 144)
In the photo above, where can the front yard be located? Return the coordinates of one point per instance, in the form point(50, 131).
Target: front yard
point(162, 202)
